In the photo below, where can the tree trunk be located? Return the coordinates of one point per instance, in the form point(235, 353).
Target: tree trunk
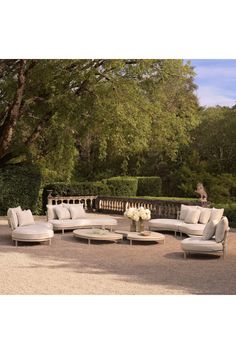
point(13, 112)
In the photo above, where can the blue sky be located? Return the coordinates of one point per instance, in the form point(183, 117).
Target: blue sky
point(216, 80)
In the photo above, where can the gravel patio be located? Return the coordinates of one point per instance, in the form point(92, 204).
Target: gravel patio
point(70, 266)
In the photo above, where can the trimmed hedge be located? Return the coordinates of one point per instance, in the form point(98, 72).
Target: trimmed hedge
point(122, 186)
point(229, 211)
point(19, 185)
point(71, 189)
point(150, 186)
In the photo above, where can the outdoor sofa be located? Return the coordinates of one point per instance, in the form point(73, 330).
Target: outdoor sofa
point(24, 228)
point(191, 220)
point(213, 239)
point(73, 216)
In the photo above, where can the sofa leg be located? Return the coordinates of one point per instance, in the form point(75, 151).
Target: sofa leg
point(16, 243)
point(62, 232)
point(185, 255)
point(50, 242)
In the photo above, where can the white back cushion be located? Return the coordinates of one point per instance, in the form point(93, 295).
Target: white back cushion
point(25, 217)
point(51, 212)
point(216, 214)
point(205, 215)
point(62, 213)
point(13, 218)
point(77, 211)
point(221, 228)
point(209, 230)
point(192, 216)
point(184, 210)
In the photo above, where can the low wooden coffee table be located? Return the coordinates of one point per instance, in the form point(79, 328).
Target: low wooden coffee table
point(97, 234)
point(154, 236)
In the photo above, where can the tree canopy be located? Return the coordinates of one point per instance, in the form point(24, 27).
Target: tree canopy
point(86, 118)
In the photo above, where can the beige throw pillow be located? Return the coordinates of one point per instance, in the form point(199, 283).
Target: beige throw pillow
point(62, 213)
point(216, 214)
point(51, 212)
point(192, 216)
point(13, 217)
point(184, 209)
point(209, 230)
point(25, 217)
point(221, 228)
point(205, 215)
point(77, 211)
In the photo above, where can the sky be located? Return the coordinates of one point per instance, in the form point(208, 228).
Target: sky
point(216, 80)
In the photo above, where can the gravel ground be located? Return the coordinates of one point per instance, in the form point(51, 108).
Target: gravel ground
point(70, 266)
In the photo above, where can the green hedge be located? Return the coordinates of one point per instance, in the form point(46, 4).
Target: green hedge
point(229, 211)
point(122, 186)
point(150, 186)
point(71, 189)
point(19, 185)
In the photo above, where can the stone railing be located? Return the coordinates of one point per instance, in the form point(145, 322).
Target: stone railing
point(88, 201)
point(118, 205)
point(158, 208)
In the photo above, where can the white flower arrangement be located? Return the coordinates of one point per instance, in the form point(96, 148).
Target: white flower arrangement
point(138, 213)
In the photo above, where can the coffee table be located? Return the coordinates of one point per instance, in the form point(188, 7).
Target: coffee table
point(97, 234)
point(154, 236)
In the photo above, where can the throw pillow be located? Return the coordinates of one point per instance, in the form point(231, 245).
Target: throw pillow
point(205, 215)
point(216, 214)
point(62, 213)
point(25, 217)
point(13, 218)
point(184, 210)
point(209, 230)
point(221, 228)
point(77, 211)
point(51, 212)
point(192, 216)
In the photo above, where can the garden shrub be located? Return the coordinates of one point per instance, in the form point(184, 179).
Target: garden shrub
point(19, 185)
point(122, 186)
point(74, 189)
point(229, 211)
point(149, 186)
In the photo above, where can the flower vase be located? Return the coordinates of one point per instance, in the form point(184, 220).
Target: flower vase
point(132, 226)
point(140, 225)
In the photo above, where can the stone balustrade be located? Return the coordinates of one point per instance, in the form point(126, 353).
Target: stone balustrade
point(88, 201)
point(118, 205)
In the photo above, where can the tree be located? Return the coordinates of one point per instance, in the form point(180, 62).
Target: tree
point(97, 115)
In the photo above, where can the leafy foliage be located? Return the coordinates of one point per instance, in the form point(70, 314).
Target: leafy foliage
point(150, 186)
point(19, 185)
point(122, 186)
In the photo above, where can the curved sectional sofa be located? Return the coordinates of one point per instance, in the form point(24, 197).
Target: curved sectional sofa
point(183, 224)
point(79, 219)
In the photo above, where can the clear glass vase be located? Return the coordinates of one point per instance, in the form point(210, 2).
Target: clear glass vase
point(140, 225)
point(132, 226)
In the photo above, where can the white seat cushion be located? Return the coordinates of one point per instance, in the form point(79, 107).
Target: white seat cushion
point(45, 224)
point(166, 224)
point(192, 229)
point(73, 223)
point(32, 232)
point(197, 244)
